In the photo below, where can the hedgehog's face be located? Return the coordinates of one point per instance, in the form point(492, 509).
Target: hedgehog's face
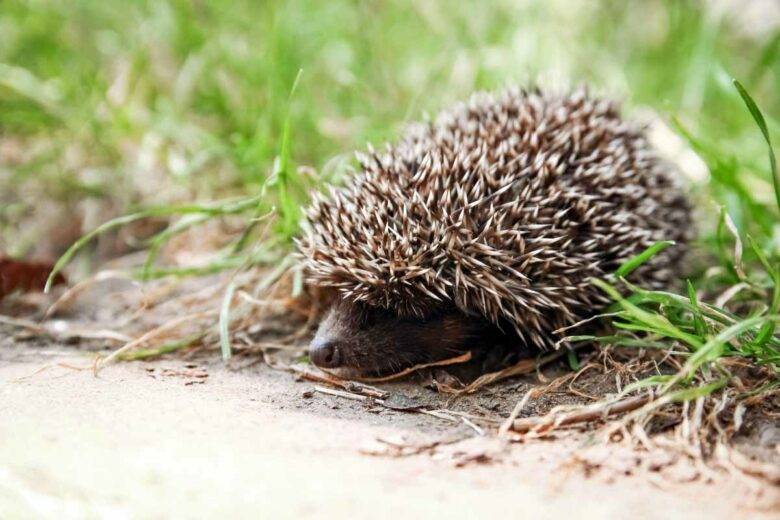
point(357, 340)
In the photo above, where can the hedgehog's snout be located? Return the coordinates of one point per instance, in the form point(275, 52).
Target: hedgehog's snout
point(325, 353)
point(355, 340)
point(330, 347)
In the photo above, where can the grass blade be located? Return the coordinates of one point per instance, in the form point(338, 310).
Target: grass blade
point(698, 320)
point(221, 208)
point(646, 320)
point(224, 322)
point(642, 257)
point(768, 328)
point(162, 349)
point(761, 122)
point(282, 175)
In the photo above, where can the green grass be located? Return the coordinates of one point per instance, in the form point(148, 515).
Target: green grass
point(190, 111)
point(705, 337)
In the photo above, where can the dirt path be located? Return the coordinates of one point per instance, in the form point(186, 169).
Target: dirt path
point(160, 440)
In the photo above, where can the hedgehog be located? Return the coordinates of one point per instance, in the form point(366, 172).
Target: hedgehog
point(481, 230)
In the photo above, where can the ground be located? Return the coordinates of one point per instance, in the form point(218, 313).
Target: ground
point(192, 438)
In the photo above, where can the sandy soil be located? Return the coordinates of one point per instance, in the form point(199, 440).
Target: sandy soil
point(184, 439)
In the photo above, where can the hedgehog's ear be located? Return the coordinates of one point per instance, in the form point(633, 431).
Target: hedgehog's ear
point(323, 295)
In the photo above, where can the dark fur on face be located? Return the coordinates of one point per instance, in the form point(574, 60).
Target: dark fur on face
point(358, 340)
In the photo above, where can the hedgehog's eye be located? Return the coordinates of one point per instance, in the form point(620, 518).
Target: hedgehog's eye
point(373, 316)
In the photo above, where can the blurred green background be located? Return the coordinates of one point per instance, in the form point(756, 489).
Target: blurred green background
point(111, 106)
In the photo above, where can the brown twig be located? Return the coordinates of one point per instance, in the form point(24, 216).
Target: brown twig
point(463, 358)
point(335, 380)
point(340, 393)
point(350, 386)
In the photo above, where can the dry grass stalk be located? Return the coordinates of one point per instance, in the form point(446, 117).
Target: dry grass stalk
point(524, 366)
point(156, 333)
point(599, 411)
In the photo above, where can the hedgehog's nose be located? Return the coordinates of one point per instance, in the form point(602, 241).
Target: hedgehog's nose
point(324, 353)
